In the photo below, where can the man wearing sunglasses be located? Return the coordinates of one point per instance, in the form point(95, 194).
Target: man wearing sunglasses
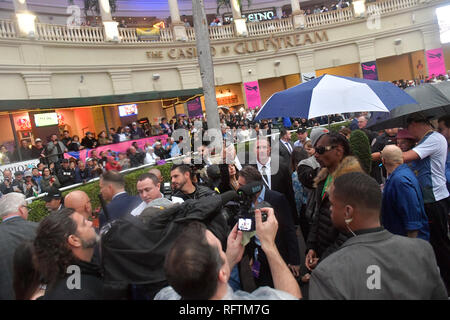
point(332, 151)
point(14, 230)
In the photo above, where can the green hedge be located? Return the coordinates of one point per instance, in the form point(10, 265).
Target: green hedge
point(38, 210)
point(360, 147)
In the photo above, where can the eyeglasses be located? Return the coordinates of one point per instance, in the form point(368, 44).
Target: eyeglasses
point(322, 149)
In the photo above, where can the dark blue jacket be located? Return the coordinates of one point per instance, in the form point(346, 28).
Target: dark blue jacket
point(402, 208)
point(120, 206)
point(81, 176)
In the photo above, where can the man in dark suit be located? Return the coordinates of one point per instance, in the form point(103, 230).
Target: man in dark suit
point(276, 175)
point(14, 230)
point(286, 238)
point(286, 147)
point(112, 188)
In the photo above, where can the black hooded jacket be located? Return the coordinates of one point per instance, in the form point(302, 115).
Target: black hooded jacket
point(90, 285)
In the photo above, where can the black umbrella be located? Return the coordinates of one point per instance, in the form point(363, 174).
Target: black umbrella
point(433, 99)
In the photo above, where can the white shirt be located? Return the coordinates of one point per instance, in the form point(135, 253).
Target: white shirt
point(430, 169)
point(262, 293)
point(138, 210)
point(150, 158)
point(298, 143)
point(144, 205)
point(268, 173)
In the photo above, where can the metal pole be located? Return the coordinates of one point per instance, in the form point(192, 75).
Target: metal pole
point(106, 123)
point(206, 63)
point(16, 138)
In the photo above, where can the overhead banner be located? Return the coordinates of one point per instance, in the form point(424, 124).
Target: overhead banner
point(436, 62)
point(18, 166)
point(369, 70)
point(307, 76)
point(252, 94)
point(195, 108)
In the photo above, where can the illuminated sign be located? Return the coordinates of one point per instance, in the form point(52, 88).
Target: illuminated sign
point(128, 110)
point(46, 119)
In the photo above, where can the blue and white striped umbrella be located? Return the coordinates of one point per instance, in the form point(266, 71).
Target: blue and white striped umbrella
point(330, 94)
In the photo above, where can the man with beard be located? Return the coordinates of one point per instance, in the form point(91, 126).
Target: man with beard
point(64, 247)
point(183, 186)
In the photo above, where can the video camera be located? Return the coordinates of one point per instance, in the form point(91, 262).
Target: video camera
point(243, 209)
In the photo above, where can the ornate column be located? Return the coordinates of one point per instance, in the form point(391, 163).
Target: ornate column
point(179, 30)
point(298, 16)
point(239, 22)
point(111, 29)
point(20, 5)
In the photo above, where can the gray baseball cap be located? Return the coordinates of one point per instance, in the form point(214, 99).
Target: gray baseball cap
point(316, 133)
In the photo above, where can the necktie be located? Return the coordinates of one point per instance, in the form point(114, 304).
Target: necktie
point(264, 174)
point(288, 146)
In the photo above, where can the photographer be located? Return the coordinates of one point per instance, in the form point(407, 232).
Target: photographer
point(182, 184)
point(197, 268)
point(286, 239)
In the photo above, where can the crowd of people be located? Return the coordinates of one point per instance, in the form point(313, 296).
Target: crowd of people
point(421, 80)
point(56, 170)
point(323, 227)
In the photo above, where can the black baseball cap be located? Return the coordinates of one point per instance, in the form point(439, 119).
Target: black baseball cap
point(301, 130)
point(53, 194)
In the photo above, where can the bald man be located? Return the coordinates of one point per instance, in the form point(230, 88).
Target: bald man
point(158, 174)
point(402, 210)
point(80, 202)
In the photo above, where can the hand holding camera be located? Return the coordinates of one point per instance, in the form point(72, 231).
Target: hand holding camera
point(235, 249)
point(266, 230)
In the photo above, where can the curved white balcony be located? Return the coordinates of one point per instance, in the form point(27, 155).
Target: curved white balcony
point(61, 33)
